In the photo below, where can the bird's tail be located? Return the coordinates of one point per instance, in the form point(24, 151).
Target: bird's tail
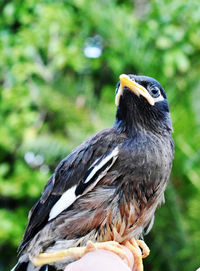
point(20, 266)
point(28, 266)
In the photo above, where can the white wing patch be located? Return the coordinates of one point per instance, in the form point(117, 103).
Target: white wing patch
point(69, 197)
point(63, 203)
point(103, 162)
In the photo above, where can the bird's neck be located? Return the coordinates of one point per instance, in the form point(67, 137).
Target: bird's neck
point(133, 124)
point(131, 129)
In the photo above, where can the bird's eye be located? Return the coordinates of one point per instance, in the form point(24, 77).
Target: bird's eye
point(155, 92)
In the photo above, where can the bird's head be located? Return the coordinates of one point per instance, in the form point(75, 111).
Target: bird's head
point(141, 104)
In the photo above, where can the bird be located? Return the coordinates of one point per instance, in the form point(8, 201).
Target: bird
point(105, 193)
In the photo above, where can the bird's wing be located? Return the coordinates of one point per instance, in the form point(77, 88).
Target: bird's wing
point(77, 174)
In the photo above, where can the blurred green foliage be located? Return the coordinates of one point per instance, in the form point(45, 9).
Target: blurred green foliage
point(53, 95)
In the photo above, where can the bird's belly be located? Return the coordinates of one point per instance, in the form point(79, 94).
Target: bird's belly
point(119, 223)
point(128, 216)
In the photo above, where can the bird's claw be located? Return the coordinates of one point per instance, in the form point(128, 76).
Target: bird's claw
point(135, 247)
point(144, 247)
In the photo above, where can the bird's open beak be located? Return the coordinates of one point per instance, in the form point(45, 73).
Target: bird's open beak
point(126, 81)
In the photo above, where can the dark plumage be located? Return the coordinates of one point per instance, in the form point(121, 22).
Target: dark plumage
point(115, 180)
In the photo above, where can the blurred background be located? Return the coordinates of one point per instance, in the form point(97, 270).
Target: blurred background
point(59, 64)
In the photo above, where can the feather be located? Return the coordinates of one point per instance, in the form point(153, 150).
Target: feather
point(63, 203)
point(92, 176)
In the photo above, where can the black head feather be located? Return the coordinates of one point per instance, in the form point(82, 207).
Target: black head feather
point(134, 112)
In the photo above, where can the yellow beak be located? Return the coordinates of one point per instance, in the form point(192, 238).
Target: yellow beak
point(126, 81)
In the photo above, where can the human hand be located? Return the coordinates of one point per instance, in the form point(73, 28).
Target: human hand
point(102, 260)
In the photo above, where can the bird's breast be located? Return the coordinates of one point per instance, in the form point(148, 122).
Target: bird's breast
point(146, 158)
point(143, 168)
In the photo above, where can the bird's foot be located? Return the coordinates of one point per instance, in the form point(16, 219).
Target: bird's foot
point(75, 253)
point(135, 247)
point(48, 257)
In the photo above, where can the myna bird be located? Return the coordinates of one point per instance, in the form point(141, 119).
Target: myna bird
point(106, 191)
